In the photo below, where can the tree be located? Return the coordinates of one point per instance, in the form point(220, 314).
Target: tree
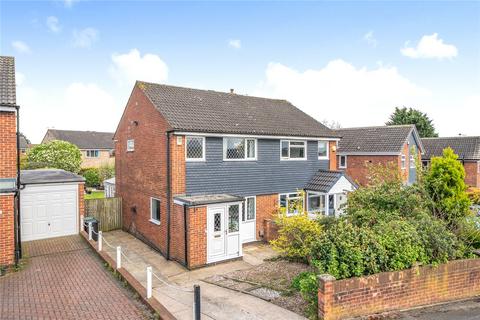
point(445, 183)
point(412, 116)
point(55, 154)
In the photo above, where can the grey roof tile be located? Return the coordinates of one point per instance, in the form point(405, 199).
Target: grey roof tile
point(7, 81)
point(467, 148)
point(197, 110)
point(324, 180)
point(382, 139)
point(83, 139)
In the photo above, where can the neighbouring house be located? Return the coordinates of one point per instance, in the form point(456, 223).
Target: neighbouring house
point(24, 144)
point(109, 188)
point(97, 148)
point(9, 171)
point(360, 148)
point(467, 149)
point(202, 172)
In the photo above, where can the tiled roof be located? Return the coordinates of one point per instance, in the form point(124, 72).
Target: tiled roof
point(195, 110)
point(383, 139)
point(467, 148)
point(7, 81)
point(324, 180)
point(83, 139)
point(23, 142)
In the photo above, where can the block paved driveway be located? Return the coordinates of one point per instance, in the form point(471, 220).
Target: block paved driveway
point(65, 279)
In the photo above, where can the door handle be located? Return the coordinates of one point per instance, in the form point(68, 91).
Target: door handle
point(217, 236)
point(49, 224)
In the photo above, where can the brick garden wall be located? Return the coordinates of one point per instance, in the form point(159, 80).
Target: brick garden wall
point(398, 290)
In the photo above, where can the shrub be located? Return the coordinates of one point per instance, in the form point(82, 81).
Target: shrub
point(106, 171)
point(469, 231)
point(306, 283)
point(474, 195)
point(55, 154)
point(92, 177)
point(295, 236)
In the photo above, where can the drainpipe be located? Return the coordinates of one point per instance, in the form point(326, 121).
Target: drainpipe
point(168, 194)
point(16, 219)
point(185, 233)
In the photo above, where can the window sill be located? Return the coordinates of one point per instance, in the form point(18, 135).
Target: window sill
point(323, 158)
point(155, 221)
point(293, 159)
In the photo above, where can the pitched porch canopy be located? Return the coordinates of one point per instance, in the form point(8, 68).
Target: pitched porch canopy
point(327, 192)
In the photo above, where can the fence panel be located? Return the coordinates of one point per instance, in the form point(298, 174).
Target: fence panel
point(107, 211)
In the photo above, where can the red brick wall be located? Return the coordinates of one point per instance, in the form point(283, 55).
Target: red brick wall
point(332, 155)
point(8, 169)
point(142, 174)
point(7, 243)
point(357, 166)
point(398, 290)
point(404, 172)
point(197, 237)
point(267, 206)
point(472, 174)
point(177, 234)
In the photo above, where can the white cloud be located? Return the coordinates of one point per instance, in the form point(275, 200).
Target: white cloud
point(19, 78)
point(370, 39)
point(342, 92)
point(53, 24)
point(21, 47)
point(132, 66)
point(85, 38)
point(69, 3)
point(430, 47)
point(235, 43)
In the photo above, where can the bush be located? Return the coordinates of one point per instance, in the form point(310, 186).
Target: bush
point(55, 154)
point(295, 236)
point(92, 177)
point(307, 284)
point(469, 231)
point(474, 195)
point(106, 171)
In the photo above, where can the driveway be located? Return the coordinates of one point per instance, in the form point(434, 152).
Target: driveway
point(64, 279)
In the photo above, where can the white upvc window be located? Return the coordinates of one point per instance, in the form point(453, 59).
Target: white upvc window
point(92, 153)
point(155, 211)
point(342, 162)
point(238, 149)
point(250, 209)
point(404, 161)
point(316, 202)
point(130, 145)
point(290, 201)
point(293, 150)
point(412, 161)
point(323, 153)
point(195, 148)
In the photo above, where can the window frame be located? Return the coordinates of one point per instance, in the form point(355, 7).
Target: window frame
point(97, 151)
point(298, 196)
point(340, 162)
point(152, 219)
point(245, 206)
point(289, 158)
point(403, 162)
point(310, 194)
point(130, 148)
point(327, 157)
point(412, 162)
point(187, 159)
point(245, 141)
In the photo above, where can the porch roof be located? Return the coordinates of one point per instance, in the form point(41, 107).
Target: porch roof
point(324, 180)
point(197, 200)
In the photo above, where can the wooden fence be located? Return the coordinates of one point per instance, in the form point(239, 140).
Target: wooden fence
point(107, 211)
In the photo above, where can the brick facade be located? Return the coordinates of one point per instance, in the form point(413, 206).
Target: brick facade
point(267, 206)
point(472, 173)
point(197, 236)
point(104, 158)
point(398, 290)
point(332, 155)
point(358, 166)
point(8, 169)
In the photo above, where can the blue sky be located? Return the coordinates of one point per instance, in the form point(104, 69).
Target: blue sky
point(349, 62)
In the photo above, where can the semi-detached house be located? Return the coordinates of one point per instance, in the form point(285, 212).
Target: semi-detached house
point(202, 172)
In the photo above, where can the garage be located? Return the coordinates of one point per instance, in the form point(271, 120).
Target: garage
point(49, 203)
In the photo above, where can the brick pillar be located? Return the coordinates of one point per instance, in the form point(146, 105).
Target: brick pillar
point(325, 296)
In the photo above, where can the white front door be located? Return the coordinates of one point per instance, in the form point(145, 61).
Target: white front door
point(249, 220)
point(48, 211)
point(223, 232)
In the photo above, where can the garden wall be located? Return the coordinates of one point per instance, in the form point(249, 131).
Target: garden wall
point(398, 290)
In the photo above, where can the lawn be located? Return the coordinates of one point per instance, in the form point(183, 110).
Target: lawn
point(95, 195)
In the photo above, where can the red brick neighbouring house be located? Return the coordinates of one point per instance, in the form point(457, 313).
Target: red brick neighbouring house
point(8, 160)
point(200, 171)
point(361, 148)
point(467, 149)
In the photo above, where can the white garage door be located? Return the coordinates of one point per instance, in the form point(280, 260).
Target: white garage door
point(48, 211)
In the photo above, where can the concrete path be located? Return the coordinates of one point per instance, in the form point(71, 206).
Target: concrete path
point(176, 295)
point(64, 279)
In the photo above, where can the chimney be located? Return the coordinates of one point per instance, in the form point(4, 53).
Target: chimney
point(232, 91)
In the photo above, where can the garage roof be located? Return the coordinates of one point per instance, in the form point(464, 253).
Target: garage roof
point(48, 176)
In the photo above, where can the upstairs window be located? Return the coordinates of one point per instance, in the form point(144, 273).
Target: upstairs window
point(293, 150)
point(130, 145)
point(342, 162)
point(195, 148)
point(239, 149)
point(404, 161)
point(323, 150)
point(93, 153)
point(412, 161)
